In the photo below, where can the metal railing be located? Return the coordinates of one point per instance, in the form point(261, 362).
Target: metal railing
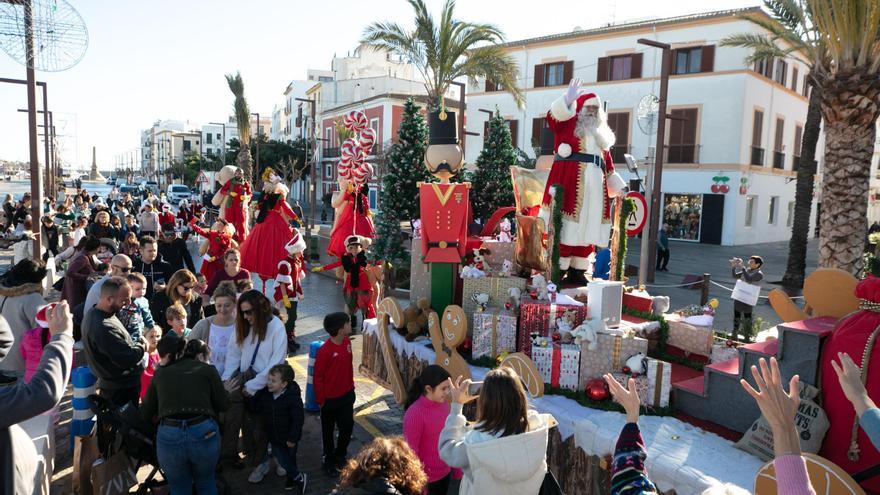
point(683, 153)
point(757, 156)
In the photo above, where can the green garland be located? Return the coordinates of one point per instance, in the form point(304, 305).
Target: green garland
point(555, 272)
point(626, 208)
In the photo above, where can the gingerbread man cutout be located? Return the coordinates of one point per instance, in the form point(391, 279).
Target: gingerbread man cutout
point(446, 336)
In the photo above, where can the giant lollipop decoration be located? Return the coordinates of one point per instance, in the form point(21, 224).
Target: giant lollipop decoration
point(368, 138)
point(355, 121)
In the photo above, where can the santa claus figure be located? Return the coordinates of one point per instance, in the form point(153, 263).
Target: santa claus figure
point(585, 172)
point(288, 286)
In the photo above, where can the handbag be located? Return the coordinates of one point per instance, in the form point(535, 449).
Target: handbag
point(239, 378)
point(746, 293)
point(550, 486)
point(114, 476)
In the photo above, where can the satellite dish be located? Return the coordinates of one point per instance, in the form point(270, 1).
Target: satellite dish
point(60, 35)
point(647, 113)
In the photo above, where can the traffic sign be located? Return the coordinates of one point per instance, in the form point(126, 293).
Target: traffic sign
point(635, 223)
point(202, 178)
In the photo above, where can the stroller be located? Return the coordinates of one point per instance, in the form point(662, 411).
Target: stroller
point(124, 429)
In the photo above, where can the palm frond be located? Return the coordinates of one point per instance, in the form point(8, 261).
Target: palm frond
point(788, 13)
point(240, 107)
point(851, 31)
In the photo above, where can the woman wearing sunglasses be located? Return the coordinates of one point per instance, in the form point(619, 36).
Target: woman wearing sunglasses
point(180, 291)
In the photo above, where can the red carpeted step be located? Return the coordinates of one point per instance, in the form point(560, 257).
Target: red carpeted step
point(681, 373)
point(821, 326)
point(767, 348)
point(729, 367)
point(694, 385)
point(709, 426)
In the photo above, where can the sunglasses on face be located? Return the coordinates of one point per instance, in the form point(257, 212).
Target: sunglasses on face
point(123, 269)
point(189, 287)
point(247, 312)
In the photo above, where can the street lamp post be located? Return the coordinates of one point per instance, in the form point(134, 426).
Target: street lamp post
point(257, 159)
point(313, 158)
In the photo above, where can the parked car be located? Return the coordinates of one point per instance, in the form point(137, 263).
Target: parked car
point(177, 192)
point(131, 189)
point(150, 185)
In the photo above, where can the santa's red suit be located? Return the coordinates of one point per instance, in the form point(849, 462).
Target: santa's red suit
point(166, 217)
point(287, 283)
point(218, 244)
point(583, 167)
point(853, 336)
point(237, 192)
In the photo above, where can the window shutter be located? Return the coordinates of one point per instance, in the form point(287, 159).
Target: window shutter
point(539, 76)
point(514, 131)
point(537, 124)
point(567, 71)
point(707, 59)
point(794, 79)
point(690, 126)
point(490, 85)
point(636, 68)
point(602, 69)
point(757, 128)
point(780, 129)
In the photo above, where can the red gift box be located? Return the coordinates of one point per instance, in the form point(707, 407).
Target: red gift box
point(540, 317)
point(637, 303)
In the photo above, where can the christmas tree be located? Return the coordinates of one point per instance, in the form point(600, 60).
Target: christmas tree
point(492, 186)
point(399, 199)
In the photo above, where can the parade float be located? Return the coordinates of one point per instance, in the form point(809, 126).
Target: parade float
point(512, 293)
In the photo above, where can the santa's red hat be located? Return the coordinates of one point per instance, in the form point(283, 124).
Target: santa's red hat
point(283, 276)
point(42, 317)
point(588, 99)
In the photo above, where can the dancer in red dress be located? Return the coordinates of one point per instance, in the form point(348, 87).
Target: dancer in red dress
point(219, 240)
point(354, 217)
point(264, 246)
point(236, 194)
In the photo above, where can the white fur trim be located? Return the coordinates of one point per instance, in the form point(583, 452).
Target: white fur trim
point(579, 263)
point(562, 112)
point(283, 279)
point(616, 185)
point(594, 101)
point(564, 150)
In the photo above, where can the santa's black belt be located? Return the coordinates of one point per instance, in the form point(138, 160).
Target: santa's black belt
point(582, 157)
point(443, 244)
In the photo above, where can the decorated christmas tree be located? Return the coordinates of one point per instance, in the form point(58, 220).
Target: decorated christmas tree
point(399, 199)
point(492, 187)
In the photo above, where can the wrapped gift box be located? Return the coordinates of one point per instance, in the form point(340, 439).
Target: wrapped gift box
point(494, 333)
point(722, 352)
point(637, 302)
point(420, 276)
point(609, 356)
point(641, 383)
point(558, 364)
point(689, 338)
point(499, 251)
point(539, 317)
point(654, 386)
point(496, 287)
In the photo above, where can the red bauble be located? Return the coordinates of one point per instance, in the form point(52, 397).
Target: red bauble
point(714, 188)
point(556, 336)
point(534, 294)
point(507, 306)
point(597, 389)
point(466, 344)
point(724, 188)
point(626, 370)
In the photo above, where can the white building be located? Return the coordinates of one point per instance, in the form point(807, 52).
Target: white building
point(728, 121)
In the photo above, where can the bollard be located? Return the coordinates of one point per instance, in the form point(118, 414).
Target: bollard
point(704, 290)
point(83, 418)
point(311, 404)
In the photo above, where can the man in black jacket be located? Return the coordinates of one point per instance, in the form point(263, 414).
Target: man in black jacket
point(111, 354)
point(173, 250)
point(151, 265)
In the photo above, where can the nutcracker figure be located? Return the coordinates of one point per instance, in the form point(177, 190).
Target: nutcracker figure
point(444, 208)
point(357, 288)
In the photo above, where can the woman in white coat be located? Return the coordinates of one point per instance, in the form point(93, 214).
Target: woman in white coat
point(504, 452)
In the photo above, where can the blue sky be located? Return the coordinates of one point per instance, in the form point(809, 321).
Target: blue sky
point(165, 59)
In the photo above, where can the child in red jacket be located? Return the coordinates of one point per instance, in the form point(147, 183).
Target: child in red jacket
point(357, 288)
point(333, 379)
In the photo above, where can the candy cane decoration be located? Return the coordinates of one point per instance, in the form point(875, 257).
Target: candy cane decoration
point(355, 121)
point(368, 138)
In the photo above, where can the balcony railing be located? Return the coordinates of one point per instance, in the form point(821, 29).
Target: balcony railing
point(330, 152)
point(757, 156)
point(683, 153)
point(778, 159)
point(618, 151)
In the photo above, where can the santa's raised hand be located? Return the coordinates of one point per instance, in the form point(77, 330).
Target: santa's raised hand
point(573, 91)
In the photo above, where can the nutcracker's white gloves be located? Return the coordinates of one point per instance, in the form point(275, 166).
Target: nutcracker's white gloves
point(573, 91)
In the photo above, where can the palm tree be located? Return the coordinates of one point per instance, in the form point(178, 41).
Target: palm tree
point(785, 28)
point(243, 122)
point(448, 50)
point(840, 42)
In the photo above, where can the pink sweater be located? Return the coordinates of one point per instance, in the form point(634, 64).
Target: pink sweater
point(422, 424)
point(791, 476)
point(31, 351)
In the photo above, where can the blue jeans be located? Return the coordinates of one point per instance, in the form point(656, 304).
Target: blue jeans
point(188, 455)
point(286, 457)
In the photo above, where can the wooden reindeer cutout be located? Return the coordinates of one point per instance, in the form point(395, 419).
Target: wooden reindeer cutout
point(446, 336)
point(825, 476)
point(525, 368)
point(389, 311)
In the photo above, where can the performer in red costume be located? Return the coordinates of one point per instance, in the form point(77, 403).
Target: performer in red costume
point(288, 286)
point(357, 288)
point(264, 246)
point(237, 194)
point(166, 217)
point(219, 240)
point(583, 167)
point(353, 215)
point(845, 443)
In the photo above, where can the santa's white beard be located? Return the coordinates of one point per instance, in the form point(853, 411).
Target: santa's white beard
point(594, 128)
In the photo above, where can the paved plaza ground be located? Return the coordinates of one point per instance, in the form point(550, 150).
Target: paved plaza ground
point(376, 411)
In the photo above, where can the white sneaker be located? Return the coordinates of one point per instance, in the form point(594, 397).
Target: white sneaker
point(259, 473)
point(280, 471)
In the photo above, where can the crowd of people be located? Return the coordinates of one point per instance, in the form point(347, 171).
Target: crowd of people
point(206, 363)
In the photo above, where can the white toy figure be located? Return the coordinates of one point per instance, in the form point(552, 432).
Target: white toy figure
point(471, 271)
point(504, 235)
point(480, 262)
point(506, 269)
point(551, 292)
point(636, 364)
point(482, 300)
point(589, 330)
point(540, 285)
point(417, 229)
point(565, 325)
point(513, 296)
point(659, 305)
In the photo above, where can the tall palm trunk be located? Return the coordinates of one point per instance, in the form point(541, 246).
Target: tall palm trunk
point(803, 196)
point(245, 162)
point(850, 106)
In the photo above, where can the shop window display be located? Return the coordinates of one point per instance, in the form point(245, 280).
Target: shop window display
point(682, 212)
